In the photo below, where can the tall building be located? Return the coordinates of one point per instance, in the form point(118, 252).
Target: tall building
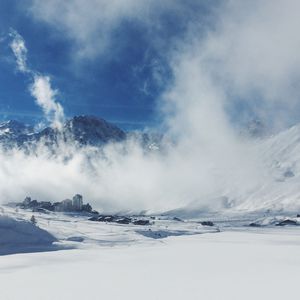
point(77, 202)
point(66, 205)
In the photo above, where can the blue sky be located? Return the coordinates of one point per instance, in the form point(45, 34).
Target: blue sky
point(120, 83)
point(116, 59)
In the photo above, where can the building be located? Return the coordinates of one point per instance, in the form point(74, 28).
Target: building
point(66, 205)
point(77, 202)
point(27, 201)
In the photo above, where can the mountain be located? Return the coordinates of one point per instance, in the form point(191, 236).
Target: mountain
point(148, 140)
point(14, 128)
point(89, 130)
point(80, 130)
point(83, 130)
point(265, 175)
point(14, 133)
point(279, 189)
point(256, 128)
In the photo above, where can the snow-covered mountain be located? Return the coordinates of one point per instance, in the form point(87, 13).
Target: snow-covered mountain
point(255, 129)
point(79, 131)
point(92, 130)
point(14, 133)
point(270, 182)
point(83, 130)
point(280, 189)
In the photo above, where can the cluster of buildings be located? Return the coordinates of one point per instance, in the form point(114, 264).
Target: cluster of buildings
point(75, 204)
point(67, 205)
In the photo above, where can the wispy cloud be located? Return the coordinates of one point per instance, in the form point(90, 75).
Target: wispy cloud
point(45, 97)
point(40, 88)
point(20, 51)
point(91, 24)
point(252, 53)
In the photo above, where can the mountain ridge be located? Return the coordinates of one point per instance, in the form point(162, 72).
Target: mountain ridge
point(78, 131)
point(83, 130)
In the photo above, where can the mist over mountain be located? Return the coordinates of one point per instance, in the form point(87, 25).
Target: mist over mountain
point(14, 133)
point(90, 131)
point(98, 152)
point(212, 76)
point(79, 130)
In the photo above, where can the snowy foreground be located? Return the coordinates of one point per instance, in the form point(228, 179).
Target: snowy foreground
point(69, 257)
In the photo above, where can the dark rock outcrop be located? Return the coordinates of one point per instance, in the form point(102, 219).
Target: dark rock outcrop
point(207, 223)
point(253, 224)
point(177, 219)
point(287, 222)
point(141, 222)
point(119, 220)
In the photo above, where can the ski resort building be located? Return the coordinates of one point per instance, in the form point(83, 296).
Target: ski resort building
point(77, 202)
point(66, 205)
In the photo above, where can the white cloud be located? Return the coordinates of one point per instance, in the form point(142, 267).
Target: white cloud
point(45, 97)
point(88, 23)
point(40, 89)
point(20, 51)
point(254, 50)
point(91, 24)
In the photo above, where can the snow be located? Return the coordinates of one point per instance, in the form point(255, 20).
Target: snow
point(279, 190)
point(227, 265)
point(276, 220)
point(226, 261)
point(22, 236)
point(5, 131)
point(69, 228)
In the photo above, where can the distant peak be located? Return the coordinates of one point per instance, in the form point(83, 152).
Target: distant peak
point(87, 119)
point(12, 123)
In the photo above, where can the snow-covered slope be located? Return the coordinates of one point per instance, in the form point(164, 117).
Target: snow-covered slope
point(280, 186)
point(270, 183)
point(19, 236)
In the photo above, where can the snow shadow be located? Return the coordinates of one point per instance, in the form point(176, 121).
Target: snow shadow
point(162, 234)
point(20, 236)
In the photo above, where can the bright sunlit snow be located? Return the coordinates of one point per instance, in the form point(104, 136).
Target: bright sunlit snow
point(98, 260)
